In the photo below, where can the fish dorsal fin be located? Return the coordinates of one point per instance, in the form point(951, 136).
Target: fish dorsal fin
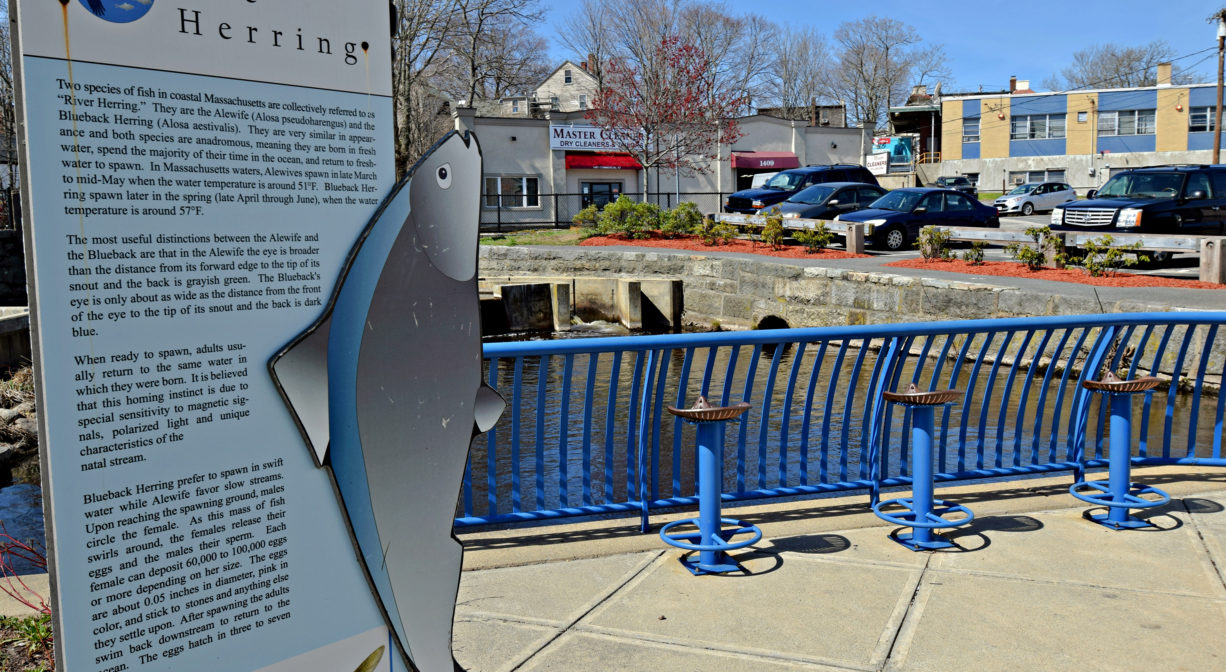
point(488, 408)
point(301, 374)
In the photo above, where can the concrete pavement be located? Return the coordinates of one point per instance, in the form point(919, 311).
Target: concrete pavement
point(1032, 586)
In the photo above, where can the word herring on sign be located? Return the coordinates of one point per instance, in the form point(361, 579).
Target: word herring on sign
point(582, 136)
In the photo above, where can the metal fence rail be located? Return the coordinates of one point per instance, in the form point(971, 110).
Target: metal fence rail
point(586, 432)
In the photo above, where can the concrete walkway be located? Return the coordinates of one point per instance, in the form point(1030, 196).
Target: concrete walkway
point(1033, 586)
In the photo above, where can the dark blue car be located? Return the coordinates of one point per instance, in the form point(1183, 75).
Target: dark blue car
point(897, 217)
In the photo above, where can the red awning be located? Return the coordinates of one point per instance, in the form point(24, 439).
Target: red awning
point(765, 160)
point(608, 161)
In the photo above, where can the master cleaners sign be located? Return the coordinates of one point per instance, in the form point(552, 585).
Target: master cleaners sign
point(585, 137)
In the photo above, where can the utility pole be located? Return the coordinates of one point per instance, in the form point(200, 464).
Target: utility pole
point(1220, 18)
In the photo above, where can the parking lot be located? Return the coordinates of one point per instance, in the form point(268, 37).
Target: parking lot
point(1182, 265)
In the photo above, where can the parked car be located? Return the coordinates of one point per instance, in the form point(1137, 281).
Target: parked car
point(958, 183)
point(825, 201)
point(898, 216)
point(1159, 199)
point(788, 182)
point(759, 180)
point(1034, 196)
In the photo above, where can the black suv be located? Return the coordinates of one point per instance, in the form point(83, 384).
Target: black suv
point(788, 182)
point(1158, 199)
point(957, 183)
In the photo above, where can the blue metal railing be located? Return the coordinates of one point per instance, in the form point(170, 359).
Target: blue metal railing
point(585, 431)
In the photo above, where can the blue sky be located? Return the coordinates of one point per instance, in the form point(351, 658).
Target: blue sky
point(988, 40)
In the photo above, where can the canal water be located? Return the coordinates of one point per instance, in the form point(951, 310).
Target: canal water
point(783, 442)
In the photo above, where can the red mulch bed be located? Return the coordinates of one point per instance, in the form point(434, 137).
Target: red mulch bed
point(1011, 269)
point(695, 244)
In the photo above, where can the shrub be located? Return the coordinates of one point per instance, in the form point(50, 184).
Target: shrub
point(683, 219)
point(816, 239)
point(1102, 258)
point(933, 243)
point(587, 216)
point(974, 256)
point(624, 217)
point(713, 232)
point(772, 231)
point(1035, 257)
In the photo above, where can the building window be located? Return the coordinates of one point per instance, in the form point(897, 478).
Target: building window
point(1082, 117)
point(1036, 126)
point(1126, 122)
point(1200, 119)
point(970, 130)
point(582, 101)
point(553, 103)
point(513, 191)
point(566, 78)
point(515, 106)
point(1024, 176)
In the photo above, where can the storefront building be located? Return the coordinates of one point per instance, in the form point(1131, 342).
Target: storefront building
point(544, 170)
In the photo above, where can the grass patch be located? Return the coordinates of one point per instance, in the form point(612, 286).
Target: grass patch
point(571, 236)
point(25, 644)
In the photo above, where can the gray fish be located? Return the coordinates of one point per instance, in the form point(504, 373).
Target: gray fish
point(386, 389)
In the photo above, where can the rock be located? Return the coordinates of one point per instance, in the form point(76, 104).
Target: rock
point(8, 415)
point(25, 408)
point(26, 426)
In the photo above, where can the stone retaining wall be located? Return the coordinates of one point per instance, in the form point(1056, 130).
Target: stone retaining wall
point(740, 293)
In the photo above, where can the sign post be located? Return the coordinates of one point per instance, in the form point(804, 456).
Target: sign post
point(195, 175)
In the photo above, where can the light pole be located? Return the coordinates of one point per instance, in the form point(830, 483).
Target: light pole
point(1217, 115)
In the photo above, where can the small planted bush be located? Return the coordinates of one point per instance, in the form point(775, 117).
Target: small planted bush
point(974, 255)
point(772, 231)
point(628, 219)
point(714, 232)
point(587, 216)
point(816, 239)
point(933, 243)
point(1035, 257)
point(1102, 258)
point(681, 220)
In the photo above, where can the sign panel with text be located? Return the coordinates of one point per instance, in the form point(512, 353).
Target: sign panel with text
point(195, 175)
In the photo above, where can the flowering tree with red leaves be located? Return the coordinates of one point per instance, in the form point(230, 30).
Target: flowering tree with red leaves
point(665, 109)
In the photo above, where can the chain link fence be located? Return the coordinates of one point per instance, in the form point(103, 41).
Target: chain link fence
point(559, 210)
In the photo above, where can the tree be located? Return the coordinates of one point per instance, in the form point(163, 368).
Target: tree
point(417, 43)
point(1111, 66)
point(8, 111)
point(457, 50)
point(801, 72)
point(662, 109)
point(473, 40)
point(879, 59)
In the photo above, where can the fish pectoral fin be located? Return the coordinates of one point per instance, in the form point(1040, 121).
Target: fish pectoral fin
point(487, 408)
point(300, 372)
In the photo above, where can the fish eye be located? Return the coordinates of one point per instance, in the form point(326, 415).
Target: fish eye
point(443, 176)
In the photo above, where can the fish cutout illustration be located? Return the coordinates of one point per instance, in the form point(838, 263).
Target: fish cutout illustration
point(386, 389)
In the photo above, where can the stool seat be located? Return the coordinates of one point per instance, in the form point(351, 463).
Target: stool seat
point(1118, 493)
point(921, 512)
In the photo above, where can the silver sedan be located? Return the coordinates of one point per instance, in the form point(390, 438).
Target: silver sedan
point(1026, 199)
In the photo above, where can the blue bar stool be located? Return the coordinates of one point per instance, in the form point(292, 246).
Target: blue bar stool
point(921, 512)
point(711, 541)
point(1118, 493)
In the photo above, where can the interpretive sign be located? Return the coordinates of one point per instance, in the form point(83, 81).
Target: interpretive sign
point(195, 175)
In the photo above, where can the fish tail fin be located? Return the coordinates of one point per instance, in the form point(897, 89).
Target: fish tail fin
point(300, 372)
point(487, 409)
